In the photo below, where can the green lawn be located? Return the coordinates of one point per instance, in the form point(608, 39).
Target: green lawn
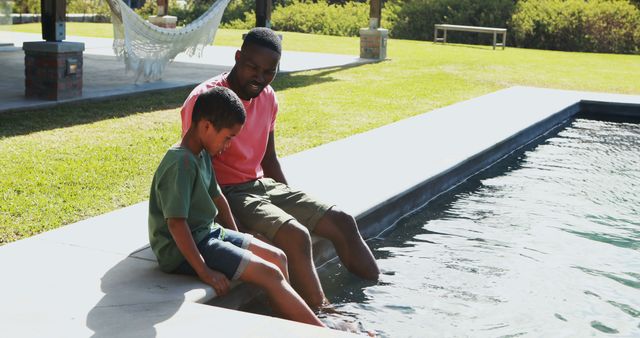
point(66, 164)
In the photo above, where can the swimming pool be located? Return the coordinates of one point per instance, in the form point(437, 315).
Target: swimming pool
point(544, 243)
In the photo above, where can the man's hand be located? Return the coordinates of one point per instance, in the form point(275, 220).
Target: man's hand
point(217, 280)
point(270, 163)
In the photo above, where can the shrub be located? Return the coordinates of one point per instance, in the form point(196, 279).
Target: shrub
point(88, 7)
point(327, 17)
point(73, 6)
point(321, 18)
point(414, 19)
point(576, 25)
point(237, 9)
point(247, 21)
point(313, 17)
point(26, 6)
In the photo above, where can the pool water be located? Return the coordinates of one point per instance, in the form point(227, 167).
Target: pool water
point(546, 243)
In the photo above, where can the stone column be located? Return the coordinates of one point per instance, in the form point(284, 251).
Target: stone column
point(373, 40)
point(163, 19)
point(53, 70)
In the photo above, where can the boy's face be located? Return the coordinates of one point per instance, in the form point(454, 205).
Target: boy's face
point(255, 68)
point(216, 141)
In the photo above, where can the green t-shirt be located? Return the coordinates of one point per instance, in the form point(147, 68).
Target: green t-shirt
point(183, 187)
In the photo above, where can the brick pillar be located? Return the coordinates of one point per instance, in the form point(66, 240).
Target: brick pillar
point(373, 43)
point(53, 70)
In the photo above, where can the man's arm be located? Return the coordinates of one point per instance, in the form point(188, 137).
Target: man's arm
point(181, 234)
point(270, 164)
point(225, 217)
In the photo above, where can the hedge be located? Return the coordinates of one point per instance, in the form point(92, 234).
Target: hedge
point(73, 6)
point(611, 26)
point(313, 17)
point(414, 19)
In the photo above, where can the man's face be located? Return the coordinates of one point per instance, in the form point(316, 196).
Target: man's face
point(255, 68)
point(217, 141)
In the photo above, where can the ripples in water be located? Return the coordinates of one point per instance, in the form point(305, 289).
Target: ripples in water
point(548, 248)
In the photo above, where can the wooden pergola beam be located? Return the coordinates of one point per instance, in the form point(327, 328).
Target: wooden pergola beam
point(163, 7)
point(53, 19)
point(375, 13)
point(263, 13)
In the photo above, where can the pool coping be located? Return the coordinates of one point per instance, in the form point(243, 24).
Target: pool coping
point(385, 212)
point(99, 278)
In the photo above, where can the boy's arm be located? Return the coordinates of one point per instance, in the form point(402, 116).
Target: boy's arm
point(181, 234)
point(270, 163)
point(225, 217)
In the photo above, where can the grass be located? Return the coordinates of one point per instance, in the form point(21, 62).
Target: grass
point(69, 163)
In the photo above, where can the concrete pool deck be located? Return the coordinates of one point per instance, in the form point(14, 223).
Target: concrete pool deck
point(96, 277)
point(104, 75)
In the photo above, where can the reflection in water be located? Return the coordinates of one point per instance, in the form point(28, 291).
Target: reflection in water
point(546, 245)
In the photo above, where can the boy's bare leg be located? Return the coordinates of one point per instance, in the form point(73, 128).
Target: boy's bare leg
point(283, 299)
point(342, 230)
point(271, 254)
point(294, 239)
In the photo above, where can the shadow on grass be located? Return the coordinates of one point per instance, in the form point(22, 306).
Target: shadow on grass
point(299, 79)
point(487, 47)
point(18, 123)
point(66, 115)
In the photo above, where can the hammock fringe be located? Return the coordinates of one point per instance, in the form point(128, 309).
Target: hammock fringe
point(147, 49)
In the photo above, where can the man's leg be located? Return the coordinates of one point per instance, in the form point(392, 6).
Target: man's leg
point(253, 208)
point(294, 239)
point(342, 230)
point(326, 221)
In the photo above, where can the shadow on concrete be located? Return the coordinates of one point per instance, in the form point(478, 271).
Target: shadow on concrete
point(136, 299)
point(15, 123)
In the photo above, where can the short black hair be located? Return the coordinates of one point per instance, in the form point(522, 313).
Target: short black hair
point(263, 37)
point(220, 106)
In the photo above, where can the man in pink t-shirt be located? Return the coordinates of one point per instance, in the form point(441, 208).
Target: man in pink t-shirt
point(253, 182)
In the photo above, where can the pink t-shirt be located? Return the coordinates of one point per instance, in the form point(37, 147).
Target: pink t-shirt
point(240, 163)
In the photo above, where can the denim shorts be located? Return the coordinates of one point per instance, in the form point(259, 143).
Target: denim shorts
point(224, 251)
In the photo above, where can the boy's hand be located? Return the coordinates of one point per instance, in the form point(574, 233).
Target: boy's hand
point(217, 280)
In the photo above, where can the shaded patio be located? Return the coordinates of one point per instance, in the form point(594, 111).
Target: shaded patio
point(104, 75)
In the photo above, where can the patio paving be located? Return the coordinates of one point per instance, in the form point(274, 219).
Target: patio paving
point(104, 75)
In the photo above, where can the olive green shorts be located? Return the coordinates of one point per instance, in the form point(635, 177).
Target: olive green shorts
point(264, 205)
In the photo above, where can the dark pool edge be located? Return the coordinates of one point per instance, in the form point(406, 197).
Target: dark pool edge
point(609, 110)
point(383, 217)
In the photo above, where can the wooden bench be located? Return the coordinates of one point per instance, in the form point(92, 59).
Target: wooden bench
point(491, 30)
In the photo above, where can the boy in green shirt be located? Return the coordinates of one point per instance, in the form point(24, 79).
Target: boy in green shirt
point(186, 201)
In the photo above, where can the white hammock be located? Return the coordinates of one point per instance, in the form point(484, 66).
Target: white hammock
point(147, 48)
